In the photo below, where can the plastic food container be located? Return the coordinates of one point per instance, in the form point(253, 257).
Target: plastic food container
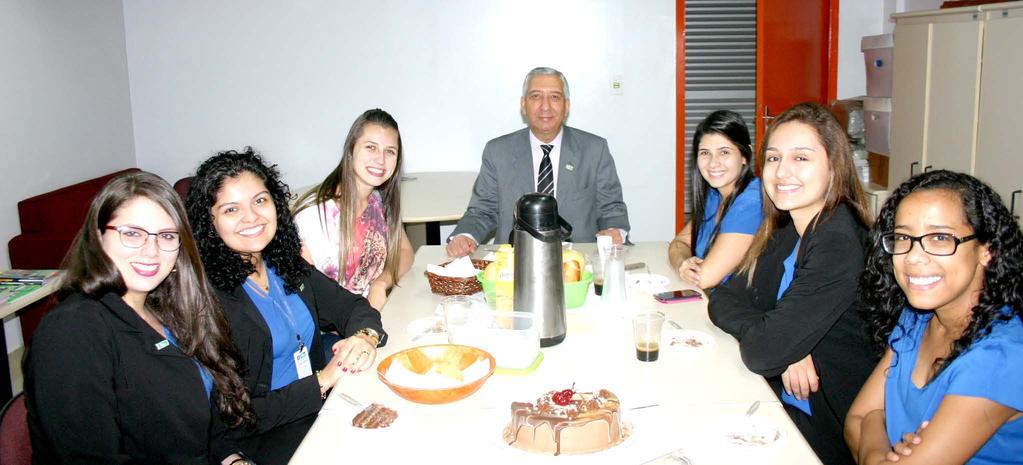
point(513, 338)
point(575, 292)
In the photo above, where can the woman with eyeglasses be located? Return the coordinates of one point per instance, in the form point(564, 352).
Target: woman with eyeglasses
point(135, 365)
point(792, 304)
point(726, 203)
point(944, 285)
point(276, 302)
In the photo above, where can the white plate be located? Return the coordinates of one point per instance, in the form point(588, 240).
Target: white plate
point(649, 282)
point(427, 329)
point(743, 433)
point(687, 340)
point(619, 453)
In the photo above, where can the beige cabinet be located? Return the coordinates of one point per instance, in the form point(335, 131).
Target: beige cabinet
point(909, 100)
point(936, 84)
point(956, 89)
point(999, 159)
point(954, 86)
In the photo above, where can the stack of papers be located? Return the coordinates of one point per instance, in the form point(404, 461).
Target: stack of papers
point(11, 292)
point(26, 276)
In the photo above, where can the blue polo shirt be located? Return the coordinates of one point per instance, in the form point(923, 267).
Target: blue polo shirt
point(743, 216)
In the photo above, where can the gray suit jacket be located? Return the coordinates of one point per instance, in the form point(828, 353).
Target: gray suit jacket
point(588, 191)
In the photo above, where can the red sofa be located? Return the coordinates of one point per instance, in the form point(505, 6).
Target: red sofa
point(50, 221)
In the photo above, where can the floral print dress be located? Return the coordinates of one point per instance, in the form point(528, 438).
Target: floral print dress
point(319, 229)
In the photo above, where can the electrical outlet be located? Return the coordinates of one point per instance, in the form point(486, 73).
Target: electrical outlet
point(617, 85)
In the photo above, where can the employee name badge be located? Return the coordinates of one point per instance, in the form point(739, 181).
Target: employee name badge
point(302, 364)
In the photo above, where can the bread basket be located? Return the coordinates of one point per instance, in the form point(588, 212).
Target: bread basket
point(445, 285)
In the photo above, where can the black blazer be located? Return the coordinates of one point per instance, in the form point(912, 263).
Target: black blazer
point(819, 314)
point(332, 308)
point(98, 390)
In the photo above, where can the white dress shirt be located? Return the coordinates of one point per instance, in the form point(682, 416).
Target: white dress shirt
point(555, 155)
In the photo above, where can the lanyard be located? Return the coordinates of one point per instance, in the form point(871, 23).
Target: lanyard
point(278, 297)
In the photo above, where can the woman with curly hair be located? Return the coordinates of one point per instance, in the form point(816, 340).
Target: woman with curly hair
point(726, 203)
point(350, 223)
point(276, 302)
point(152, 375)
point(944, 284)
point(792, 304)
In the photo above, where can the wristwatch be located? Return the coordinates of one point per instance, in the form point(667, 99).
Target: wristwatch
point(370, 333)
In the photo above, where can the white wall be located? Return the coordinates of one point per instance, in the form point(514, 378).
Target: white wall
point(856, 18)
point(290, 77)
point(66, 114)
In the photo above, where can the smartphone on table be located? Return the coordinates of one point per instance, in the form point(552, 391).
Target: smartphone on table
point(681, 295)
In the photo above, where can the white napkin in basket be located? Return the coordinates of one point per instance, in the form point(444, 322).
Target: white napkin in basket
point(458, 268)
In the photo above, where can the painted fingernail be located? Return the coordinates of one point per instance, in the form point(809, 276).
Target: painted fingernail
point(338, 363)
point(345, 369)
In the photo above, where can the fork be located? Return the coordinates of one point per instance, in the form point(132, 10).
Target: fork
point(753, 408)
point(434, 329)
point(349, 399)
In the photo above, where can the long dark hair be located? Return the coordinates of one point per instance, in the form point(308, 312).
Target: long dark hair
point(844, 188)
point(340, 186)
point(994, 226)
point(184, 300)
point(228, 268)
point(729, 124)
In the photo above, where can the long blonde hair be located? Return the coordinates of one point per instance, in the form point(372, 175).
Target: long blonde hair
point(340, 186)
point(844, 186)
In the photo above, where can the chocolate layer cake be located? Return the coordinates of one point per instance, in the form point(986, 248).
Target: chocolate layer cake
point(559, 424)
point(374, 416)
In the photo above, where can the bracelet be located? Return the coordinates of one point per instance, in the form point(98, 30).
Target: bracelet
point(242, 459)
point(371, 334)
point(323, 392)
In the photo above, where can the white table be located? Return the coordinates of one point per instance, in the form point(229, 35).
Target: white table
point(695, 391)
point(432, 197)
point(9, 310)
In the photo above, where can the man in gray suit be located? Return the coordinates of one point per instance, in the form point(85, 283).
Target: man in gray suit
point(549, 157)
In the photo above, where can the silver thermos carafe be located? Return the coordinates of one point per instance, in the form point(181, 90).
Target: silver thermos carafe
point(539, 287)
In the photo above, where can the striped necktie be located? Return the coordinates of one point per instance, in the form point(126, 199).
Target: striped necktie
point(545, 178)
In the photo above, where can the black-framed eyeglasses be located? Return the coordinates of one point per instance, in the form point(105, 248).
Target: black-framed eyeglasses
point(133, 237)
point(938, 244)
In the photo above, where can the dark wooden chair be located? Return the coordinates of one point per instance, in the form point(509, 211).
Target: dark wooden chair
point(182, 187)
